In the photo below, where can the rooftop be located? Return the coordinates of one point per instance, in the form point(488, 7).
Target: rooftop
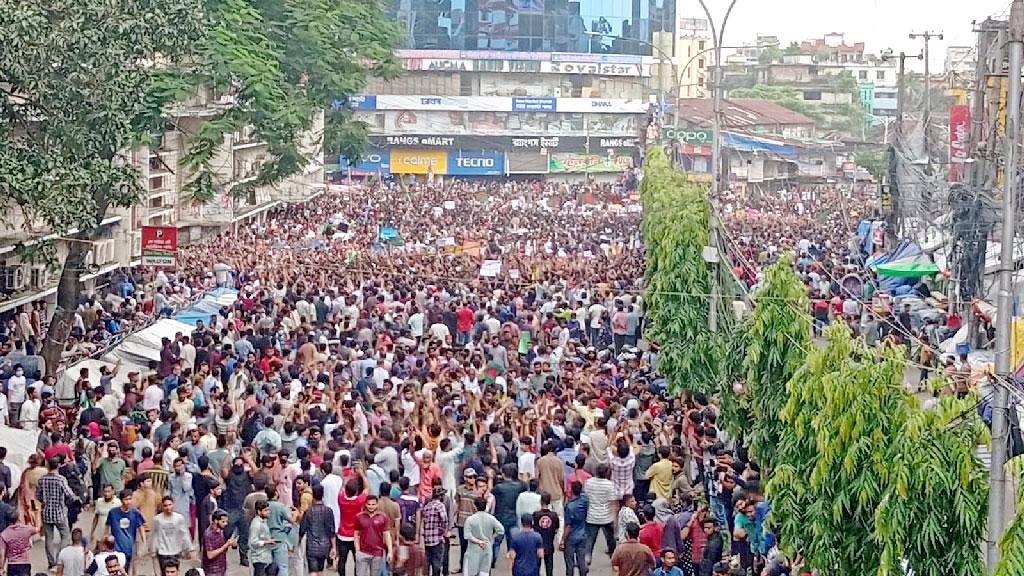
point(740, 113)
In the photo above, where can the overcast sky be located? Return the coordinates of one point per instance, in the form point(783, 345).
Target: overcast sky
point(880, 24)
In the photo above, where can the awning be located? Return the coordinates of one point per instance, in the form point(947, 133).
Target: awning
point(908, 269)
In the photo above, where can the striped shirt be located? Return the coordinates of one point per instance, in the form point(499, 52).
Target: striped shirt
point(622, 472)
point(600, 493)
point(435, 522)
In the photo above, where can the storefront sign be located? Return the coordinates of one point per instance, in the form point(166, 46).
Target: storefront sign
point(535, 142)
point(373, 161)
point(595, 68)
point(577, 163)
point(959, 141)
point(540, 104)
point(687, 135)
point(159, 246)
point(438, 64)
point(411, 161)
point(514, 55)
point(472, 163)
point(414, 140)
point(618, 142)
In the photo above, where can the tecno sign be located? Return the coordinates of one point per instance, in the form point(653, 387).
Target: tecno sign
point(475, 162)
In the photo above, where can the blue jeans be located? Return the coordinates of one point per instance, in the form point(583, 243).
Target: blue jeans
point(718, 509)
point(576, 557)
point(280, 553)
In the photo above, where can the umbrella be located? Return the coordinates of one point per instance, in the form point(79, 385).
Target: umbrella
point(907, 269)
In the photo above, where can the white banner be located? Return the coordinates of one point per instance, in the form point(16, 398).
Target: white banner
point(510, 104)
point(490, 268)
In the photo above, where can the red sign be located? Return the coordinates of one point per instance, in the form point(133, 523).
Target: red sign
point(959, 141)
point(159, 245)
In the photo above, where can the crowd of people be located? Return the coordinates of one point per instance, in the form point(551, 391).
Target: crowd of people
point(413, 380)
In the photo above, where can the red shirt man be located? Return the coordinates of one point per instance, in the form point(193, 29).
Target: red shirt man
point(372, 534)
point(350, 504)
point(464, 319)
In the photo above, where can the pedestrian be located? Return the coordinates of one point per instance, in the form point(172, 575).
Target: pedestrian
point(465, 494)
point(715, 547)
point(261, 544)
point(54, 492)
point(102, 507)
point(668, 564)
point(574, 537)
point(74, 558)
point(282, 529)
point(215, 545)
point(170, 535)
point(372, 539)
point(317, 527)
point(633, 558)
point(526, 548)
point(126, 525)
point(483, 533)
point(600, 493)
point(435, 531)
point(16, 548)
point(547, 523)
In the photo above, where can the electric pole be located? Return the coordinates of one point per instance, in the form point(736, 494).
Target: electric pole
point(1004, 314)
point(895, 220)
point(927, 37)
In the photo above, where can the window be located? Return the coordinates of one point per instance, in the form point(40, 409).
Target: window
point(880, 75)
point(701, 45)
point(700, 63)
point(862, 75)
point(812, 95)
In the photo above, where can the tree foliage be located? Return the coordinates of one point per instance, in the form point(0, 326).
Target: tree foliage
point(875, 161)
point(677, 280)
point(1011, 548)
point(865, 480)
point(82, 83)
point(777, 339)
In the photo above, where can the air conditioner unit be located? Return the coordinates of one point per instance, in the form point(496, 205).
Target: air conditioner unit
point(40, 276)
point(12, 278)
point(106, 252)
point(136, 244)
point(90, 256)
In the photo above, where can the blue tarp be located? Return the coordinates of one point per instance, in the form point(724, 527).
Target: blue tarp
point(751, 144)
point(905, 250)
point(212, 303)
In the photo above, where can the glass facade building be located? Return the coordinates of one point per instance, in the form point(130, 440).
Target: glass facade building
point(534, 25)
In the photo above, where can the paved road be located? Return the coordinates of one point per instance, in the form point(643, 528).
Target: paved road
point(599, 567)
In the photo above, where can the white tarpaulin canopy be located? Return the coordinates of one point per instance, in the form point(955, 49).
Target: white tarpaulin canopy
point(20, 445)
point(144, 345)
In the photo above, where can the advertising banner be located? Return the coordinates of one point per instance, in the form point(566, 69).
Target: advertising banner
point(518, 55)
point(476, 163)
point(415, 161)
point(159, 246)
point(578, 163)
point(602, 105)
point(527, 162)
point(959, 141)
point(374, 160)
point(596, 68)
point(538, 104)
point(687, 135)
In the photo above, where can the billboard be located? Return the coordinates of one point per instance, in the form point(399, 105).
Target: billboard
point(959, 141)
point(373, 161)
point(159, 246)
point(500, 104)
point(417, 161)
point(476, 163)
point(577, 163)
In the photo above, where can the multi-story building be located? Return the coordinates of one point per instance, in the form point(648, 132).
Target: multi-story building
point(163, 203)
point(557, 88)
point(960, 66)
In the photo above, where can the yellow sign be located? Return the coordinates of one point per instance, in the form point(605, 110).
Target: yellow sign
point(407, 161)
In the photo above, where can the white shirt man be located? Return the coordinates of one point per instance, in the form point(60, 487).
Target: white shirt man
point(30, 412)
point(152, 397)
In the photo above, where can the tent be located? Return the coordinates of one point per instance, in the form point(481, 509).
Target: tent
point(144, 345)
point(209, 305)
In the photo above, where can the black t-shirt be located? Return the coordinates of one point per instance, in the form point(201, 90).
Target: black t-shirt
point(545, 523)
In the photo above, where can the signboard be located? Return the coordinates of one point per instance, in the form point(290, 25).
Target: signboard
point(959, 141)
point(476, 163)
point(490, 268)
point(687, 135)
point(373, 161)
point(532, 142)
point(693, 24)
point(595, 68)
point(577, 163)
point(426, 141)
point(526, 104)
point(516, 55)
point(159, 246)
point(409, 161)
point(502, 104)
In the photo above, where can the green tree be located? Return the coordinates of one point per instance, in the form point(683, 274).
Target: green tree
point(1011, 547)
point(85, 82)
point(770, 55)
point(785, 96)
point(677, 279)
point(874, 160)
point(777, 339)
point(793, 49)
point(862, 470)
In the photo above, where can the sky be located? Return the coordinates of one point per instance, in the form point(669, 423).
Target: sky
point(881, 24)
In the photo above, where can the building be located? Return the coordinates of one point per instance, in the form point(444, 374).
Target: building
point(693, 55)
point(833, 49)
point(163, 203)
point(558, 89)
point(960, 66)
point(766, 147)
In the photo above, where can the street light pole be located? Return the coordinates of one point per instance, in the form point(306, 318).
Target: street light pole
point(1004, 304)
point(711, 252)
point(679, 82)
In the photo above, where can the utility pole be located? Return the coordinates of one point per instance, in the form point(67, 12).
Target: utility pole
point(927, 37)
point(895, 224)
point(711, 251)
point(1004, 313)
